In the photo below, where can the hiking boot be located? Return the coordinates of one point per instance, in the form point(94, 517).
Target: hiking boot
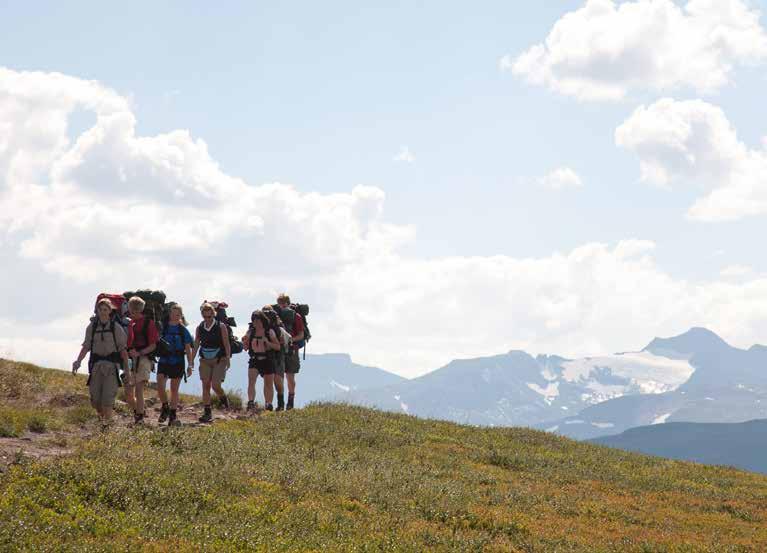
point(280, 402)
point(164, 412)
point(289, 406)
point(172, 420)
point(138, 418)
point(269, 407)
point(207, 416)
point(251, 406)
point(224, 402)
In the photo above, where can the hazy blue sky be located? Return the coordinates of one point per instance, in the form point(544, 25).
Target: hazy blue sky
point(324, 95)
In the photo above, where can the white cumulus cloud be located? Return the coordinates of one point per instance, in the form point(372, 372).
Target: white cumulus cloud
point(112, 210)
point(693, 141)
point(560, 179)
point(606, 49)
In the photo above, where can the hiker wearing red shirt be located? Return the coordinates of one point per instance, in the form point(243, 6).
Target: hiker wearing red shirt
point(294, 323)
point(142, 341)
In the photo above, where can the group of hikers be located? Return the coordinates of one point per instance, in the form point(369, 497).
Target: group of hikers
point(124, 351)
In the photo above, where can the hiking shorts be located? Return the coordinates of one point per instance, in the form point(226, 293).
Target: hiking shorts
point(293, 362)
point(103, 384)
point(279, 365)
point(213, 370)
point(263, 365)
point(171, 370)
point(140, 371)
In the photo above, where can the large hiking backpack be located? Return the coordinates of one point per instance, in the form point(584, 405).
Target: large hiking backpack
point(235, 344)
point(155, 309)
point(120, 311)
point(288, 318)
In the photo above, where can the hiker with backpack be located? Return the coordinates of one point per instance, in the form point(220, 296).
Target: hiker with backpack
point(261, 343)
point(106, 342)
point(212, 341)
point(294, 324)
point(143, 337)
point(171, 365)
point(284, 338)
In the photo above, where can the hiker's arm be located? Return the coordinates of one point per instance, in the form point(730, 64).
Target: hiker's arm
point(225, 340)
point(153, 337)
point(124, 356)
point(273, 342)
point(147, 350)
point(246, 341)
point(189, 357)
point(80, 357)
point(196, 346)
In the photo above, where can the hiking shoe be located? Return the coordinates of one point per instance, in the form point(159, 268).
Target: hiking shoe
point(172, 420)
point(224, 402)
point(251, 406)
point(269, 407)
point(138, 418)
point(280, 402)
point(164, 412)
point(289, 406)
point(207, 416)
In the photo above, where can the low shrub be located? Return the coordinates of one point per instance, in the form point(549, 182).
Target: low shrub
point(79, 414)
point(37, 424)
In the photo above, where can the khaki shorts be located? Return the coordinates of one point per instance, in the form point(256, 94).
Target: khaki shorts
point(213, 370)
point(139, 372)
point(103, 384)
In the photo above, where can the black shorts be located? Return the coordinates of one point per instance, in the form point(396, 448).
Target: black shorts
point(171, 370)
point(263, 364)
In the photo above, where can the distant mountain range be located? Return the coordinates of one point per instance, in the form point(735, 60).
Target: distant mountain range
point(694, 377)
point(728, 385)
point(739, 445)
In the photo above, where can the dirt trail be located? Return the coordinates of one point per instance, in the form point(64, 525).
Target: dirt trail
point(52, 444)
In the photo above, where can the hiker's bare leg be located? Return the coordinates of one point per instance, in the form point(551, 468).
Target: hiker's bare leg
point(279, 383)
point(291, 382)
point(218, 389)
point(130, 397)
point(206, 392)
point(140, 397)
point(175, 383)
point(268, 388)
point(252, 378)
point(161, 394)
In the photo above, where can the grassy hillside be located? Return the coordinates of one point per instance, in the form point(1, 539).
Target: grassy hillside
point(332, 477)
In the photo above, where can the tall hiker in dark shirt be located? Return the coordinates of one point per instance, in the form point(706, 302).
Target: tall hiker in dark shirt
point(294, 323)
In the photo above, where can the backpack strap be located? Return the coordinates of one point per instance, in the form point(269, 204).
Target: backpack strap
point(114, 336)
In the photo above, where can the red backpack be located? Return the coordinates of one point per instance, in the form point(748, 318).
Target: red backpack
point(120, 304)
